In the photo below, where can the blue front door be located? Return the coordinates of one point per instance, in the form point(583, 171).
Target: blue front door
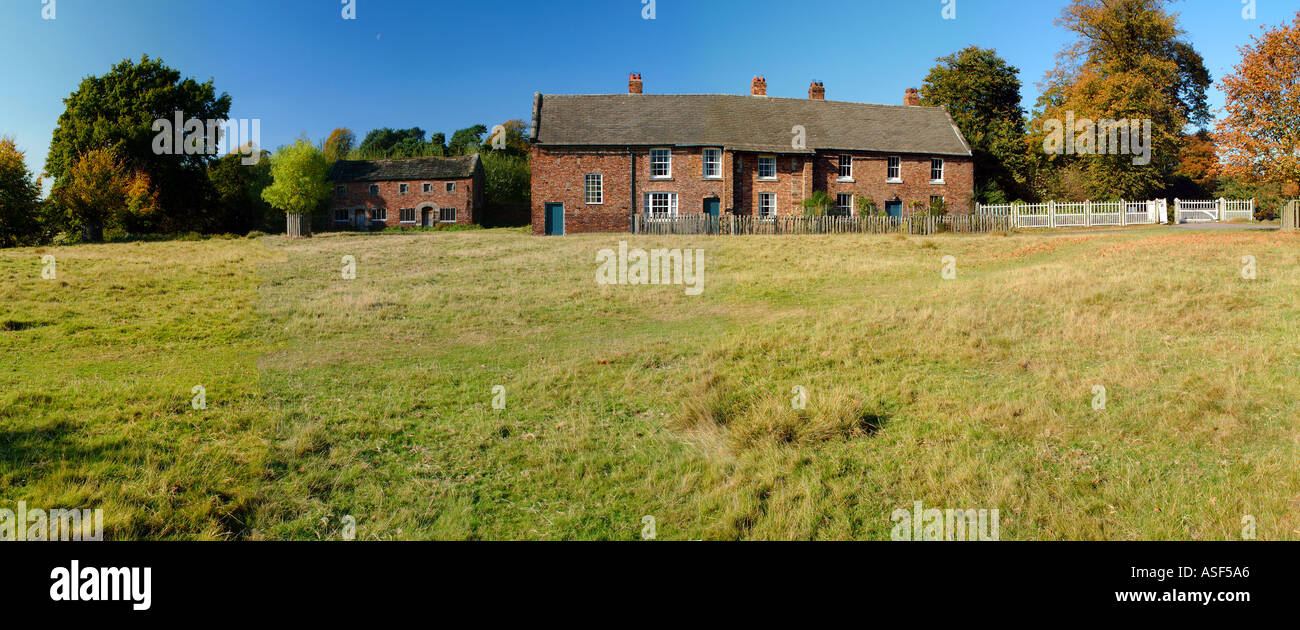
point(712, 206)
point(554, 219)
point(894, 208)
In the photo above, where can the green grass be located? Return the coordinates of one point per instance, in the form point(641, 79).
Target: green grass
point(372, 397)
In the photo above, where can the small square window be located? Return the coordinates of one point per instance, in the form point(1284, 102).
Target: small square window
point(451, 186)
point(446, 215)
point(428, 188)
point(374, 190)
point(767, 168)
point(402, 189)
point(340, 192)
point(712, 163)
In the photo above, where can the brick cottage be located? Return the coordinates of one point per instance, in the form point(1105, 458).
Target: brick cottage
point(412, 192)
point(599, 159)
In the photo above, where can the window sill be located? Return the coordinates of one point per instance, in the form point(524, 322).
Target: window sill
point(893, 181)
point(662, 179)
point(406, 222)
point(597, 203)
point(938, 182)
point(846, 180)
point(767, 179)
point(712, 178)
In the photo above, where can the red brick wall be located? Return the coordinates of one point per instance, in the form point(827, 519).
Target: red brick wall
point(467, 199)
point(870, 172)
point(558, 176)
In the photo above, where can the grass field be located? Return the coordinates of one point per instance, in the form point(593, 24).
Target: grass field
point(371, 397)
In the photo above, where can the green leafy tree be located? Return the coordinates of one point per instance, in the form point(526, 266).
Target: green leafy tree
point(467, 140)
point(982, 93)
point(392, 143)
point(116, 112)
point(19, 197)
point(509, 178)
point(818, 204)
point(298, 178)
point(238, 190)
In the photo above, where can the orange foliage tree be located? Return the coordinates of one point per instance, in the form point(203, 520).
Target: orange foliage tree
point(1259, 136)
point(100, 191)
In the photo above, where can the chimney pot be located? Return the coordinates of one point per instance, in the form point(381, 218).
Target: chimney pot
point(759, 87)
point(634, 84)
point(817, 91)
point(912, 98)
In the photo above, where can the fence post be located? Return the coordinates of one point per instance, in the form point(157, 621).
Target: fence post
point(1051, 214)
point(1087, 213)
point(1178, 210)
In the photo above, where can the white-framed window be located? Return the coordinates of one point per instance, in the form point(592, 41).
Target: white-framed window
point(446, 215)
point(713, 164)
point(407, 215)
point(766, 205)
point(451, 186)
point(846, 167)
point(937, 201)
point(895, 173)
point(427, 188)
point(374, 190)
point(661, 163)
point(767, 167)
point(379, 214)
point(340, 215)
point(403, 189)
point(936, 171)
point(594, 189)
point(661, 204)
point(844, 205)
point(340, 192)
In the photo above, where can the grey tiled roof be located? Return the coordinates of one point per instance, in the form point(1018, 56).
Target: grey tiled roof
point(742, 123)
point(406, 169)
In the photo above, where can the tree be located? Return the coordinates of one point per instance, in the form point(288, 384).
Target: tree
point(1197, 174)
point(298, 174)
point(116, 112)
point(818, 204)
point(467, 140)
point(100, 191)
point(516, 136)
point(1128, 64)
point(239, 195)
point(19, 197)
point(981, 92)
point(339, 144)
point(392, 143)
point(1259, 137)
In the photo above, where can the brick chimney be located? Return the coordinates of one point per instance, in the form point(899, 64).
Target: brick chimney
point(759, 86)
point(817, 91)
point(634, 84)
point(912, 98)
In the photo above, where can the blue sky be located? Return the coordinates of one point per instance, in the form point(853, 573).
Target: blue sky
point(446, 64)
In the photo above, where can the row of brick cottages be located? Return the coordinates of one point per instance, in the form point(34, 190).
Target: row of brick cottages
point(599, 159)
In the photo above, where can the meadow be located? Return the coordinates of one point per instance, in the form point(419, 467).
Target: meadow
point(372, 398)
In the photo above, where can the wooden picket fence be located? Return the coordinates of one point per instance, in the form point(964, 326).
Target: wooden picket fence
point(745, 224)
point(1053, 214)
point(1291, 216)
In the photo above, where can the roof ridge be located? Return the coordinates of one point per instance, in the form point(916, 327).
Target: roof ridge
point(750, 96)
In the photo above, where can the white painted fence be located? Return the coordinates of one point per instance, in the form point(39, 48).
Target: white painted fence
point(1202, 211)
point(1079, 214)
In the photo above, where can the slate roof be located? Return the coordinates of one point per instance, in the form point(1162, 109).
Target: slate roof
point(742, 123)
point(405, 169)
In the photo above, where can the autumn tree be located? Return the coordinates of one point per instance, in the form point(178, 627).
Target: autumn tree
point(1259, 135)
point(339, 143)
point(1128, 63)
point(981, 92)
point(19, 197)
point(101, 191)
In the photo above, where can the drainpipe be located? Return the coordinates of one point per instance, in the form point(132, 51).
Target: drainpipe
point(632, 165)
